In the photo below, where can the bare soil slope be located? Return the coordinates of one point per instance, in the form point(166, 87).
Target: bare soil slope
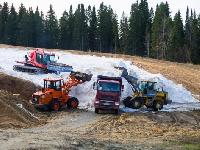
point(13, 116)
point(16, 111)
point(14, 85)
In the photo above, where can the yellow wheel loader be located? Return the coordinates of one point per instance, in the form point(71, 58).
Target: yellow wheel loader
point(145, 93)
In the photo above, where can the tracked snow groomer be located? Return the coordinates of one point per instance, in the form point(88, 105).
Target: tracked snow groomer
point(55, 93)
point(39, 61)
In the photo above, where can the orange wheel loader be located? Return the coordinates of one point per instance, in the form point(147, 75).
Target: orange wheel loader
point(55, 93)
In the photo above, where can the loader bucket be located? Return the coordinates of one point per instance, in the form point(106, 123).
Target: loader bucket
point(81, 76)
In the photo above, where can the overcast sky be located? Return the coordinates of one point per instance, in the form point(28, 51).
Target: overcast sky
point(118, 5)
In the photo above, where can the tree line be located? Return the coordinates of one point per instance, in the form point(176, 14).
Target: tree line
point(144, 32)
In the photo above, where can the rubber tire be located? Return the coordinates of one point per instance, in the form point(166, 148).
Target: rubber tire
point(70, 101)
point(55, 102)
point(155, 108)
point(127, 101)
point(137, 101)
point(116, 111)
point(96, 110)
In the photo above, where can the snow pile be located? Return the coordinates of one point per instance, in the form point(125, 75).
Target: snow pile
point(182, 99)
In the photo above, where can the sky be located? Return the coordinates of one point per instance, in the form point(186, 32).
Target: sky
point(118, 5)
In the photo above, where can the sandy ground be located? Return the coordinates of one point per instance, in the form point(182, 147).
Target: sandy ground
point(85, 130)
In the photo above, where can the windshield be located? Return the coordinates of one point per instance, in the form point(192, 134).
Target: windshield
point(109, 87)
point(48, 58)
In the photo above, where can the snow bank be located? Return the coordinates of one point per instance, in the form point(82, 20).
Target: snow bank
point(182, 99)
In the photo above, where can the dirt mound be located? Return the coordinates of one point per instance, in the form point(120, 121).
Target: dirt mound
point(139, 126)
point(14, 85)
point(14, 112)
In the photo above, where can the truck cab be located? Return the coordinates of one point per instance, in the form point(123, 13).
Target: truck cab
point(108, 93)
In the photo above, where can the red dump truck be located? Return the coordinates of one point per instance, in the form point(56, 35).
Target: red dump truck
point(108, 93)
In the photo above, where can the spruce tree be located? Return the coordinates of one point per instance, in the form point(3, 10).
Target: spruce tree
point(11, 28)
point(195, 39)
point(105, 28)
point(138, 28)
point(161, 31)
point(80, 28)
point(92, 30)
point(123, 34)
point(64, 30)
point(22, 27)
point(188, 34)
point(4, 20)
point(177, 52)
point(38, 39)
point(51, 29)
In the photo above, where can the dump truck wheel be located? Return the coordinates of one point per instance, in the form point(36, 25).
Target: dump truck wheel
point(136, 103)
point(127, 101)
point(157, 105)
point(73, 103)
point(116, 111)
point(96, 110)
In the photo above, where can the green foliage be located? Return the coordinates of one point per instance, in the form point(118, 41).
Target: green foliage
point(138, 28)
point(4, 19)
point(161, 27)
point(92, 29)
point(143, 33)
point(123, 34)
point(11, 28)
point(177, 40)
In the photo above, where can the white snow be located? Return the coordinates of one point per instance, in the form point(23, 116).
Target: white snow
point(181, 98)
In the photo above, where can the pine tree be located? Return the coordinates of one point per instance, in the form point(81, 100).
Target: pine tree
point(195, 39)
point(31, 28)
point(22, 28)
point(123, 34)
point(51, 29)
point(63, 30)
point(105, 28)
point(11, 28)
point(115, 38)
point(161, 31)
point(80, 29)
point(138, 28)
point(177, 52)
point(134, 28)
point(4, 20)
point(188, 35)
point(38, 39)
point(92, 30)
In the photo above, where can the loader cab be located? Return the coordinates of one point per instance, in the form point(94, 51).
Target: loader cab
point(55, 84)
point(148, 88)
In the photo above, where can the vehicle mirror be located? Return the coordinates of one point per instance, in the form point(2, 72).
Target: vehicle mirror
point(95, 85)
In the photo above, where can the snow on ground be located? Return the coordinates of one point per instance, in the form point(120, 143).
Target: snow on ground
point(181, 98)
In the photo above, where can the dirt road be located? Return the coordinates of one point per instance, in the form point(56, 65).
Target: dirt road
point(86, 130)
